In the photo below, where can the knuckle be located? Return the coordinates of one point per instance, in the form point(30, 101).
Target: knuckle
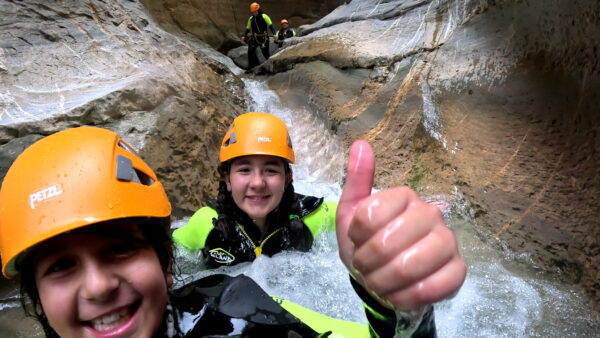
point(373, 284)
point(401, 273)
point(422, 296)
point(446, 236)
point(378, 248)
point(434, 210)
point(359, 264)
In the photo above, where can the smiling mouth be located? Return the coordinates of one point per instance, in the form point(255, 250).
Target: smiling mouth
point(114, 319)
point(257, 198)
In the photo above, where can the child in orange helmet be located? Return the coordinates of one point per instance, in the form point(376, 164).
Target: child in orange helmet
point(256, 210)
point(84, 222)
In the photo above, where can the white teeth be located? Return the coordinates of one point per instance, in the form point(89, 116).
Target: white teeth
point(109, 321)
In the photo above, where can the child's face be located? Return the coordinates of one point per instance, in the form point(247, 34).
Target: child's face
point(108, 282)
point(257, 183)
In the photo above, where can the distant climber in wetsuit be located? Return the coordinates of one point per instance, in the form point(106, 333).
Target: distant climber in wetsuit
point(256, 211)
point(285, 32)
point(258, 26)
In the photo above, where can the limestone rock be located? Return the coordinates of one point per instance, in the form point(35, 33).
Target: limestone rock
point(108, 64)
point(480, 96)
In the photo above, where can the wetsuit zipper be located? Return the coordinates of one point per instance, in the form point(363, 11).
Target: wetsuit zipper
point(257, 249)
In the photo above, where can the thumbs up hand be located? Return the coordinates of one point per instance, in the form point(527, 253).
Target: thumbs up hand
point(394, 244)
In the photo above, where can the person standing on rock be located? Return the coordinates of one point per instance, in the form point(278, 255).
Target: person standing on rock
point(256, 210)
point(258, 26)
point(284, 33)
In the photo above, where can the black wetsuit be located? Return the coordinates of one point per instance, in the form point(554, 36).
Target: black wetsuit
point(282, 35)
point(240, 244)
point(232, 237)
point(221, 305)
point(258, 27)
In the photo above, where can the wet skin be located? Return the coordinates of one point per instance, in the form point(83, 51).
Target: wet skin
point(109, 285)
point(257, 183)
point(394, 244)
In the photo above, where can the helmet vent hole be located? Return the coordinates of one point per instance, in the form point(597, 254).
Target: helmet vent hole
point(143, 178)
point(126, 172)
point(230, 140)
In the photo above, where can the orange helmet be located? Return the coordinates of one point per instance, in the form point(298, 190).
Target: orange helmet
point(257, 134)
point(71, 179)
point(254, 7)
point(284, 21)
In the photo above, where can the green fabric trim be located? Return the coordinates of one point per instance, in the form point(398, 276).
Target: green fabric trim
point(375, 314)
point(277, 35)
point(267, 19)
point(193, 235)
point(322, 219)
point(322, 323)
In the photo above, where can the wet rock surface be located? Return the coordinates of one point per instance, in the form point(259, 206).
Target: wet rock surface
point(486, 98)
point(108, 64)
point(494, 99)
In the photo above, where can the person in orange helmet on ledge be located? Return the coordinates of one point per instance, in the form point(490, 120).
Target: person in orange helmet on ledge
point(284, 33)
point(258, 26)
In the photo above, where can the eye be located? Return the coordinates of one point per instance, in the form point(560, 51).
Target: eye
point(123, 249)
point(243, 169)
point(60, 265)
point(273, 170)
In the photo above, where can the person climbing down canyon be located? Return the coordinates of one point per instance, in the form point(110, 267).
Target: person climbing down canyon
point(285, 32)
point(256, 211)
point(256, 35)
point(102, 264)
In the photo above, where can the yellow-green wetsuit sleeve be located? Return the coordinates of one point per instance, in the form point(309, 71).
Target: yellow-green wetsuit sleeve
point(248, 26)
point(267, 20)
point(193, 235)
point(322, 323)
point(322, 219)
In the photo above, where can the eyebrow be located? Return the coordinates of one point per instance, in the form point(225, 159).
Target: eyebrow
point(244, 162)
point(57, 247)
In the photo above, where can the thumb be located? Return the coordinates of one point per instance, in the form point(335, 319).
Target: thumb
point(359, 182)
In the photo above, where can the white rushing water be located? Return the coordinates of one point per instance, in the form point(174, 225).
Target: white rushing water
point(503, 295)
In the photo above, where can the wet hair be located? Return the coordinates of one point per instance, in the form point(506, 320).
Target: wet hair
point(155, 232)
point(229, 213)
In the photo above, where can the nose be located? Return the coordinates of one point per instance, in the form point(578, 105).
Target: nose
point(99, 283)
point(257, 179)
